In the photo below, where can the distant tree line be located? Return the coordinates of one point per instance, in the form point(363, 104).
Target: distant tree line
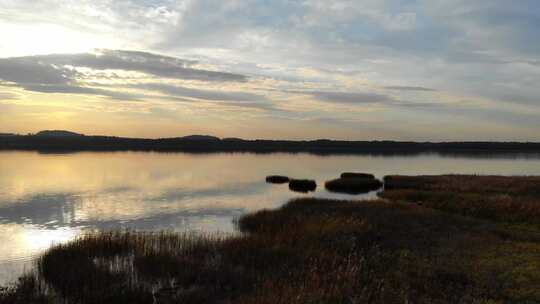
point(214, 144)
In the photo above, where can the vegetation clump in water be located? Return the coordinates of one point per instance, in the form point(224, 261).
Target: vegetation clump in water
point(302, 185)
point(277, 179)
point(357, 175)
point(354, 183)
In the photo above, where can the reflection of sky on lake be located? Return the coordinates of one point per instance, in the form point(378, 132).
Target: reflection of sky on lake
point(50, 198)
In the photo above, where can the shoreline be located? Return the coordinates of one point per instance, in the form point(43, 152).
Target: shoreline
point(319, 147)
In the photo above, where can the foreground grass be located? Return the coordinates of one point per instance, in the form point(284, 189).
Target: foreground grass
point(309, 251)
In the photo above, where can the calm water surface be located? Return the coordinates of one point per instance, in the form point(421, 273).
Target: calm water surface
point(51, 198)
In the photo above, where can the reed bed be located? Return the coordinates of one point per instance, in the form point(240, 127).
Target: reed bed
point(506, 199)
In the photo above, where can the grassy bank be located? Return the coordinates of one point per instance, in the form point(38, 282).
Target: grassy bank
point(308, 251)
point(504, 199)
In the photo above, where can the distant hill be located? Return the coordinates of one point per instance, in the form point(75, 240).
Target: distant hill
point(200, 137)
point(58, 133)
point(7, 134)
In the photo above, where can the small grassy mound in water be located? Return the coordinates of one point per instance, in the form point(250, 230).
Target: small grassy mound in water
point(308, 251)
point(302, 185)
point(277, 179)
point(357, 175)
point(353, 185)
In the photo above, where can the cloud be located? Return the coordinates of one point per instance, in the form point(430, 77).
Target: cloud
point(59, 73)
point(212, 95)
point(409, 88)
point(28, 70)
point(7, 96)
point(347, 97)
point(444, 44)
point(223, 98)
point(253, 105)
point(148, 63)
point(58, 68)
point(368, 98)
point(73, 89)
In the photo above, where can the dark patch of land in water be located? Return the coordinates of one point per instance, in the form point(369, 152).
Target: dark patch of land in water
point(62, 141)
point(320, 251)
point(302, 185)
point(353, 185)
point(277, 179)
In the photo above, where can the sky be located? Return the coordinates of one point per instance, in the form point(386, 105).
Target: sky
point(424, 70)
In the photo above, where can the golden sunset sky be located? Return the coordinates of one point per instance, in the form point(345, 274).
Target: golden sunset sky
point(395, 69)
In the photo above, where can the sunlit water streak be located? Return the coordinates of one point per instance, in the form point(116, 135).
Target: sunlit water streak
point(47, 199)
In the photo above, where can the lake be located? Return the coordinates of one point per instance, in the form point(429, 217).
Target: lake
point(49, 198)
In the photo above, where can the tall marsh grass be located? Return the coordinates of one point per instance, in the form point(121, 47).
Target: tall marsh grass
point(507, 199)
